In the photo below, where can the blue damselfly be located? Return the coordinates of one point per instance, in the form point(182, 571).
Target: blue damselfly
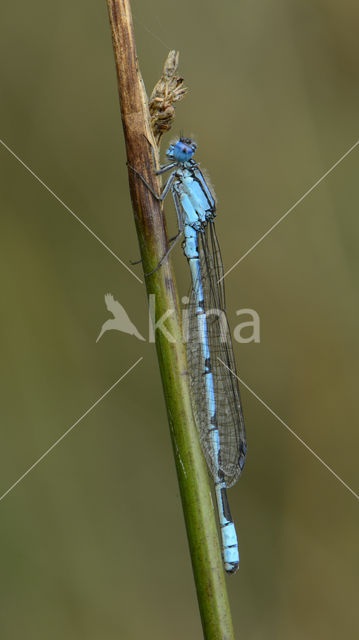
point(214, 385)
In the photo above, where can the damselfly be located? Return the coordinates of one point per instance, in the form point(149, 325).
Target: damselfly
point(215, 393)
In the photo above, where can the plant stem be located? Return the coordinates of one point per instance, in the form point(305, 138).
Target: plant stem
point(151, 230)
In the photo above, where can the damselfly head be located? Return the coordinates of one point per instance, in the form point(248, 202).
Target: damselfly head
point(182, 150)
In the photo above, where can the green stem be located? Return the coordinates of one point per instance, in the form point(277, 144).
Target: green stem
point(151, 230)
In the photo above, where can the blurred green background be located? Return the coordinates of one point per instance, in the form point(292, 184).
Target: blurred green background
point(273, 103)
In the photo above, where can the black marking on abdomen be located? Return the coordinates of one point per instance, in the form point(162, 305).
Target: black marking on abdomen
point(226, 510)
point(207, 366)
point(234, 567)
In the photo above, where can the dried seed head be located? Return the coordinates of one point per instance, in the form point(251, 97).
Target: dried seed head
point(169, 89)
